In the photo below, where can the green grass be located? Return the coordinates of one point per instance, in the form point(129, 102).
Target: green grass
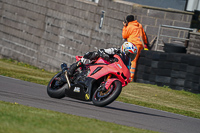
point(161, 98)
point(15, 118)
point(23, 71)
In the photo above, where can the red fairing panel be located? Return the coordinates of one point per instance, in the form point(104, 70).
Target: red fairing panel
point(116, 68)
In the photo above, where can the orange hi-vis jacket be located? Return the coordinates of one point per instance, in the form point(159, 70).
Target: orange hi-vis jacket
point(133, 33)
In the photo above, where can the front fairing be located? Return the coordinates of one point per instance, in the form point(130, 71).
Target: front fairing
point(118, 68)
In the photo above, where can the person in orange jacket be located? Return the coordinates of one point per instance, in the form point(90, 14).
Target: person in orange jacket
point(133, 32)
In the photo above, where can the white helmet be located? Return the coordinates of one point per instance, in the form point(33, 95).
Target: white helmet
point(129, 49)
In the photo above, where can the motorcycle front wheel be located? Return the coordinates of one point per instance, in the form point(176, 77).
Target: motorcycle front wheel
point(102, 98)
point(56, 89)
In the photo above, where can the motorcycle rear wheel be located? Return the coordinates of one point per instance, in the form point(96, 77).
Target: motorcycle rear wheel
point(54, 90)
point(102, 99)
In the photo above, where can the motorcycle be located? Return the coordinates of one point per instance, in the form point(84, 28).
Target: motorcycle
point(100, 82)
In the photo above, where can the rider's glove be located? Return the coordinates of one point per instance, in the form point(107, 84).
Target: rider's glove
point(91, 55)
point(117, 51)
point(103, 55)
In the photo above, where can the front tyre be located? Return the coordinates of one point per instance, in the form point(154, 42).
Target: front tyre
point(102, 98)
point(56, 89)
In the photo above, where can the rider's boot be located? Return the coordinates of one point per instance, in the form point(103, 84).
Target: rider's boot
point(73, 67)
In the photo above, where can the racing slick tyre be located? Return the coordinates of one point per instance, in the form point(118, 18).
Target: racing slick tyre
point(102, 98)
point(55, 89)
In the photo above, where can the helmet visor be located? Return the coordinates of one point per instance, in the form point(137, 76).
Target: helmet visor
point(131, 55)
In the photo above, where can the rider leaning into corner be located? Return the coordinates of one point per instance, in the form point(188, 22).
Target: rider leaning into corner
point(127, 52)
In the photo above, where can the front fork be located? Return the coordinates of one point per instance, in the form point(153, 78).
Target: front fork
point(104, 83)
point(67, 78)
point(109, 76)
point(64, 69)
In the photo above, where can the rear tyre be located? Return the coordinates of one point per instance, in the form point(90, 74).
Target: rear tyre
point(55, 89)
point(102, 98)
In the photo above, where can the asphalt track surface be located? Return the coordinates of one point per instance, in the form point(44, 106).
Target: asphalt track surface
point(31, 94)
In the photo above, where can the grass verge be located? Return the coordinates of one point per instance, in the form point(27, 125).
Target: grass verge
point(15, 118)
